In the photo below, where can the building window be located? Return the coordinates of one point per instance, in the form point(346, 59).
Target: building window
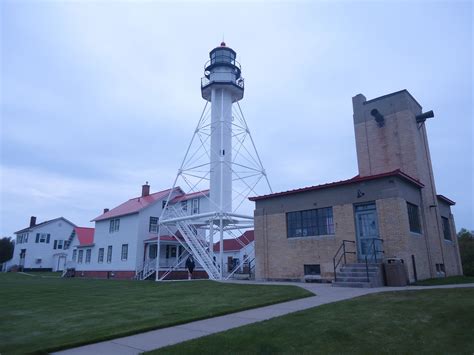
point(153, 225)
point(74, 253)
point(58, 244)
point(114, 225)
point(100, 258)
point(124, 252)
point(22, 238)
point(109, 254)
point(88, 255)
point(42, 238)
point(184, 205)
point(313, 269)
point(446, 228)
point(170, 251)
point(310, 222)
point(163, 204)
point(80, 256)
point(414, 218)
point(195, 206)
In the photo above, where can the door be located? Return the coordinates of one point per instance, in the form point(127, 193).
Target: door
point(367, 229)
point(22, 258)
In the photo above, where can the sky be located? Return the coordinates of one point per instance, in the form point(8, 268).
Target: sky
point(98, 97)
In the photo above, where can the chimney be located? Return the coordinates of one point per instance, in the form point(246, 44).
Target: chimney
point(106, 210)
point(145, 189)
point(32, 221)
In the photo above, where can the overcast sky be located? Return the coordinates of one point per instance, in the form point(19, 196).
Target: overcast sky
point(99, 97)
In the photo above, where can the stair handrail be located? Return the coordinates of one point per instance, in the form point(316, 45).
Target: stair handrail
point(343, 255)
point(373, 254)
point(197, 246)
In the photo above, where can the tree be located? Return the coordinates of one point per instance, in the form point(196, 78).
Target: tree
point(466, 248)
point(6, 249)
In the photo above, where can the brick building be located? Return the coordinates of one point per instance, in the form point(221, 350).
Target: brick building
point(389, 210)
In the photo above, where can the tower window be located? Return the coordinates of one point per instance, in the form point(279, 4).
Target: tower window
point(446, 228)
point(414, 218)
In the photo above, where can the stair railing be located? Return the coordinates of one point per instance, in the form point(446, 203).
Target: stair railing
point(341, 255)
point(373, 256)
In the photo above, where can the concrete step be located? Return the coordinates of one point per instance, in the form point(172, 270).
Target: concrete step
point(358, 270)
point(356, 273)
point(352, 278)
point(351, 284)
point(362, 264)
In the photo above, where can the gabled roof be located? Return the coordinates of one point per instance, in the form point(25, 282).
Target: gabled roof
point(28, 229)
point(237, 243)
point(186, 197)
point(445, 199)
point(354, 180)
point(135, 205)
point(85, 235)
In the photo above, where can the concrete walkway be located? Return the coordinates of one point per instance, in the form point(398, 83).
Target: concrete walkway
point(325, 293)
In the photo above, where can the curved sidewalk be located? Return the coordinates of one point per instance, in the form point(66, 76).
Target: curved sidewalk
point(324, 293)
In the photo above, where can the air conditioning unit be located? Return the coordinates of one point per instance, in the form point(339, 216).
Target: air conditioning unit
point(38, 260)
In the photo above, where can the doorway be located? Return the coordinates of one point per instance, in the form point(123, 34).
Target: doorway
point(367, 229)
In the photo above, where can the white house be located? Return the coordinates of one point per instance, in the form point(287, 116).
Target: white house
point(41, 246)
point(124, 243)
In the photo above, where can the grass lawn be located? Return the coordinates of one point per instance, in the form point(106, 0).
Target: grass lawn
point(45, 314)
point(446, 281)
point(428, 321)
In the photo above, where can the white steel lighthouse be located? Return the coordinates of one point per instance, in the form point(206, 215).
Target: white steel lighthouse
point(222, 86)
point(222, 165)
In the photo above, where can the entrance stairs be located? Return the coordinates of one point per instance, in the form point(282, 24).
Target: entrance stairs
point(359, 275)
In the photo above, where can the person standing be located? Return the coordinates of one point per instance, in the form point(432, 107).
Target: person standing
point(190, 266)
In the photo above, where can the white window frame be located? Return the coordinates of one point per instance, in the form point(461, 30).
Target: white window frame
point(100, 256)
point(124, 254)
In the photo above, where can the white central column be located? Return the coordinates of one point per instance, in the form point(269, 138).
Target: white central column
point(221, 149)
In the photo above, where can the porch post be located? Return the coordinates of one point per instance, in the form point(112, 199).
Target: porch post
point(157, 278)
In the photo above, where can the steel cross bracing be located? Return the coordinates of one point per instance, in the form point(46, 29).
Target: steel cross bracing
point(200, 231)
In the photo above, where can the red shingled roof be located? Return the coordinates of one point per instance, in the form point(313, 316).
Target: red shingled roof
point(85, 235)
point(355, 179)
point(236, 244)
point(134, 205)
point(190, 196)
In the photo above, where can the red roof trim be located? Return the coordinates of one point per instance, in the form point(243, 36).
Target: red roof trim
point(354, 180)
point(445, 199)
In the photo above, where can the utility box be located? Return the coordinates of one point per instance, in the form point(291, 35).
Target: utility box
point(395, 272)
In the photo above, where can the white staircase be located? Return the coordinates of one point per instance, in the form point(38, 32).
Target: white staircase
point(198, 246)
point(147, 270)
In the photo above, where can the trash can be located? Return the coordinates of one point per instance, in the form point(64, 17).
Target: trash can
point(395, 272)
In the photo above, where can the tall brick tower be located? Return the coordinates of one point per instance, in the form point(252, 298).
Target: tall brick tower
point(391, 135)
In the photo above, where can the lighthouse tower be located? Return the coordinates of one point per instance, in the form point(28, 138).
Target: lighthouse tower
point(222, 85)
point(222, 166)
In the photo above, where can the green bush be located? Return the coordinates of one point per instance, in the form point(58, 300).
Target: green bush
point(466, 248)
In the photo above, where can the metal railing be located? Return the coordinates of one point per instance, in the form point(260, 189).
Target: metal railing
point(340, 256)
point(373, 256)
